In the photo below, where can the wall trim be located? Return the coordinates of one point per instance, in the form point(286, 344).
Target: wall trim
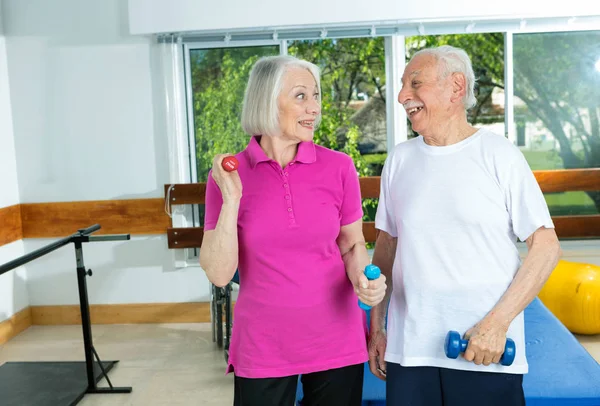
point(14, 325)
point(136, 313)
point(130, 313)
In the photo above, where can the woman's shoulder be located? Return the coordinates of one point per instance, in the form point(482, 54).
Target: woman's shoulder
point(331, 155)
point(320, 149)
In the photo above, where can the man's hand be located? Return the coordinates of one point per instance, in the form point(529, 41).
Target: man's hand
point(377, 346)
point(487, 340)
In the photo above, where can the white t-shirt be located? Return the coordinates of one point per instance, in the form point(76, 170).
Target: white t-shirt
point(457, 211)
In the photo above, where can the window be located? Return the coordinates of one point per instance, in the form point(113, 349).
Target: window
point(557, 108)
point(540, 90)
point(353, 97)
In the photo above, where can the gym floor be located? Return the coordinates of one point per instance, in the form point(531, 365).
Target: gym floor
point(166, 364)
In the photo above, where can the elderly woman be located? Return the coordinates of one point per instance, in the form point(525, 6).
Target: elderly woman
point(290, 220)
point(453, 203)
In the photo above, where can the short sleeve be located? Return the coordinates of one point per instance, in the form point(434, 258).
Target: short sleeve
point(351, 209)
point(524, 199)
point(212, 204)
point(384, 217)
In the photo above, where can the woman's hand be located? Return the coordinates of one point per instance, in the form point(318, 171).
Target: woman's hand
point(370, 292)
point(229, 183)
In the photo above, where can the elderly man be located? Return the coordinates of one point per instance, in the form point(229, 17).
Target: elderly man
point(453, 203)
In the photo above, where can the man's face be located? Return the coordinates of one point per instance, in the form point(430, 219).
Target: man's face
point(426, 97)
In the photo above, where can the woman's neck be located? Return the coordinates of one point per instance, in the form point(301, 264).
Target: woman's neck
point(279, 149)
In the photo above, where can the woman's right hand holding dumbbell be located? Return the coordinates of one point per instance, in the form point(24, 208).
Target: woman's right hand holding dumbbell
point(227, 180)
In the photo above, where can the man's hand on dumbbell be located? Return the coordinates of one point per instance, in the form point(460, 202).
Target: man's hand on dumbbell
point(487, 340)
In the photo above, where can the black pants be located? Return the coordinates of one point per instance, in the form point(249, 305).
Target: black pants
point(334, 387)
point(430, 386)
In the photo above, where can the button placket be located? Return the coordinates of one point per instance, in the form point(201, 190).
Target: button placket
point(288, 195)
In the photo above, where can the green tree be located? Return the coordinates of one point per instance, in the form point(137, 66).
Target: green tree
point(352, 69)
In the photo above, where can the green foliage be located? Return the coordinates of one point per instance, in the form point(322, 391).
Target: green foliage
point(375, 162)
point(218, 129)
point(351, 69)
point(219, 78)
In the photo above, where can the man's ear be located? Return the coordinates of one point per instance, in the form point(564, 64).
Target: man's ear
point(459, 86)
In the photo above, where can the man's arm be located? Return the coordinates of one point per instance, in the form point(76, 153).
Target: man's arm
point(488, 337)
point(542, 257)
point(383, 257)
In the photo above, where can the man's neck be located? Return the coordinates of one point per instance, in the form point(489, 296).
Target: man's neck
point(452, 132)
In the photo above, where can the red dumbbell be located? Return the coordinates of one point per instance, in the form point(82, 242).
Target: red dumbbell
point(230, 163)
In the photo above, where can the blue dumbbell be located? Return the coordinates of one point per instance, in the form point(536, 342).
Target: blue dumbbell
point(371, 272)
point(455, 345)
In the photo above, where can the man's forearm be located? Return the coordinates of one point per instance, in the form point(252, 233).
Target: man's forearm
point(527, 283)
point(383, 257)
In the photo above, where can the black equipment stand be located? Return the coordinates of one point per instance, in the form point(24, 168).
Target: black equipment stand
point(78, 239)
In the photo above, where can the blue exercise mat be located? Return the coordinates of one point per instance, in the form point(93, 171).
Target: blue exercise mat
point(561, 371)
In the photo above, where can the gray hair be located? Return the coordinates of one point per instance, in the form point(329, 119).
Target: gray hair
point(455, 60)
point(260, 111)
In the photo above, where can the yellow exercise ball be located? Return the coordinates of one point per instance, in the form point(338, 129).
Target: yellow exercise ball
point(572, 294)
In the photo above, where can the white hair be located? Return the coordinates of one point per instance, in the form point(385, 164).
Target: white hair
point(260, 111)
point(455, 60)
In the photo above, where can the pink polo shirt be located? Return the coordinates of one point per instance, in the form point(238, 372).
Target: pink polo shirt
point(296, 311)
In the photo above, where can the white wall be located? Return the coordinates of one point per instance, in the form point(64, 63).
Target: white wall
point(13, 289)
point(87, 126)
point(136, 271)
point(194, 15)
point(13, 284)
point(9, 185)
point(83, 101)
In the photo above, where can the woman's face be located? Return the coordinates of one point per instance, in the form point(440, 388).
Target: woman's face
point(299, 105)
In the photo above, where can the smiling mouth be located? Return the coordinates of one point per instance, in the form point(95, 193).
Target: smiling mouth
point(414, 110)
point(307, 124)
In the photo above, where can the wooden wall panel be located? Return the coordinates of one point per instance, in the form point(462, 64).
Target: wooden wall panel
point(550, 182)
point(185, 193)
point(577, 226)
point(10, 224)
point(185, 237)
point(570, 180)
point(369, 187)
point(135, 216)
point(369, 231)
